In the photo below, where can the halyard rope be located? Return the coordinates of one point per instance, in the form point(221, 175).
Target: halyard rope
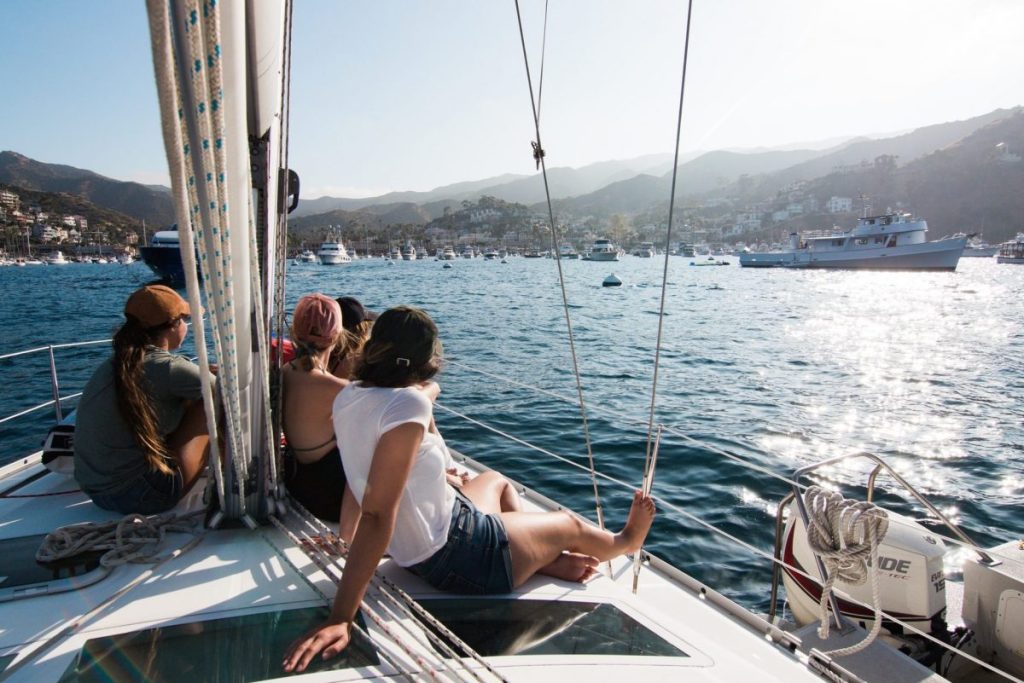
point(845, 534)
point(538, 153)
point(158, 12)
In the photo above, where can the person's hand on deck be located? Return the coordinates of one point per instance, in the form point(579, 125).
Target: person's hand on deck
point(329, 638)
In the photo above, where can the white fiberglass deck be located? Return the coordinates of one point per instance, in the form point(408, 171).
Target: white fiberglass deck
point(234, 572)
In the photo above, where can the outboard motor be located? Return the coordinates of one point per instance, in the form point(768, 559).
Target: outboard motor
point(911, 581)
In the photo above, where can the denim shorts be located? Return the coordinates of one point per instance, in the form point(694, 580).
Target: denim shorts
point(148, 494)
point(475, 559)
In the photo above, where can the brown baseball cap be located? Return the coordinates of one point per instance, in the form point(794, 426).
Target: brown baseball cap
point(155, 305)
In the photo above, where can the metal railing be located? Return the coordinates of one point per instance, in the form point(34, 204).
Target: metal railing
point(57, 400)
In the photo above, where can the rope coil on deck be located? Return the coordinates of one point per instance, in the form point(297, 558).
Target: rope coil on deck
point(845, 535)
point(131, 539)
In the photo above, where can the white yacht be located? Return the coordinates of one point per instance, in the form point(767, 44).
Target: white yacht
point(56, 258)
point(333, 253)
point(604, 250)
point(645, 250)
point(893, 241)
point(408, 252)
point(979, 248)
point(567, 251)
point(306, 256)
point(468, 252)
point(1012, 251)
point(447, 254)
point(125, 259)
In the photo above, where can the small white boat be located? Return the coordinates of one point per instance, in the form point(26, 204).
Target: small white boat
point(125, 259)
point(447, 254)
point(567, 251)
point(645, 250)
point(306, 256)
point(332, 252)
point(468, 252)
point(893, 241)
point(491, 255)
point(408, 252)
point(604, 250)
point(979, 248)
point(1012, 251)
point(56, 258)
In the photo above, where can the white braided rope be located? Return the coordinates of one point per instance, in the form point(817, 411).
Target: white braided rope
point(203, 126)
point(132, 539)
point(170, 108)
point(845, 534)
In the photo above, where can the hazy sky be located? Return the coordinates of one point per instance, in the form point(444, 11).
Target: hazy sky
point(403, 94)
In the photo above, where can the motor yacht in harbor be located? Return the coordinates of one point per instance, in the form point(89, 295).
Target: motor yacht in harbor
point(163, 256)
point(567, 251)
point(306, 256)
point(645, 250)
point(893, 241)
point(468, 252)
point(604, 250)
point(1012, 251)
point(332, 252)
point(56, 258)
point(979, 248)
point(447, 254)
point(408, 252)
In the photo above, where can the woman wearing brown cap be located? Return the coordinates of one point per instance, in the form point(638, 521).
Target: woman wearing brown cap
point(313, 471)
point(140, 431)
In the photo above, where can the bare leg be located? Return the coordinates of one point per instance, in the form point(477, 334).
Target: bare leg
point(189, 444)
point(571, 567)
point(492, 493)
point(536, 540)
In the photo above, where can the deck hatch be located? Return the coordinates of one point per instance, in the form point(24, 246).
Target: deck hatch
point(496, 627)
point(22, 576)
point(235, 649)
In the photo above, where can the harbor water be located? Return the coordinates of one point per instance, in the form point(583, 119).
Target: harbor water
point(780, 368)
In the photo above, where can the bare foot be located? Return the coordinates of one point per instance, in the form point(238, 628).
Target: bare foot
point(641, 516)
point(571, 567)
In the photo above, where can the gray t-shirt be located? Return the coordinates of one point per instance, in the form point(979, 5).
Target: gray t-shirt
point(107, 456)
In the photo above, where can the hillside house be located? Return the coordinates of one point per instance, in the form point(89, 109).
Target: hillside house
point(840, 205)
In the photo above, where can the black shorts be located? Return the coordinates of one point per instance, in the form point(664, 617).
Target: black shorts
point(319, 485)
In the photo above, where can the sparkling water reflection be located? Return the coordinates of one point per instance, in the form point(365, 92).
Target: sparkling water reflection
point(780, 367)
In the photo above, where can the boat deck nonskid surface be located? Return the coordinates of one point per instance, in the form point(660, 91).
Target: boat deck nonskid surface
point(237, 571)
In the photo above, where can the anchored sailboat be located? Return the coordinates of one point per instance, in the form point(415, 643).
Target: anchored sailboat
point(243, 570)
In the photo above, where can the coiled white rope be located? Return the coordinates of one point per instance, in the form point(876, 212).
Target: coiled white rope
point(132, 539)
point(845, 534)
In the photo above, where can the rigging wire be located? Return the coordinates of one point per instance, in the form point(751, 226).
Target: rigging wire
point(538, 155)
point(668, 241)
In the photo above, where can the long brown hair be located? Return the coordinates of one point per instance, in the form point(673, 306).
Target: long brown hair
point(130, 384)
